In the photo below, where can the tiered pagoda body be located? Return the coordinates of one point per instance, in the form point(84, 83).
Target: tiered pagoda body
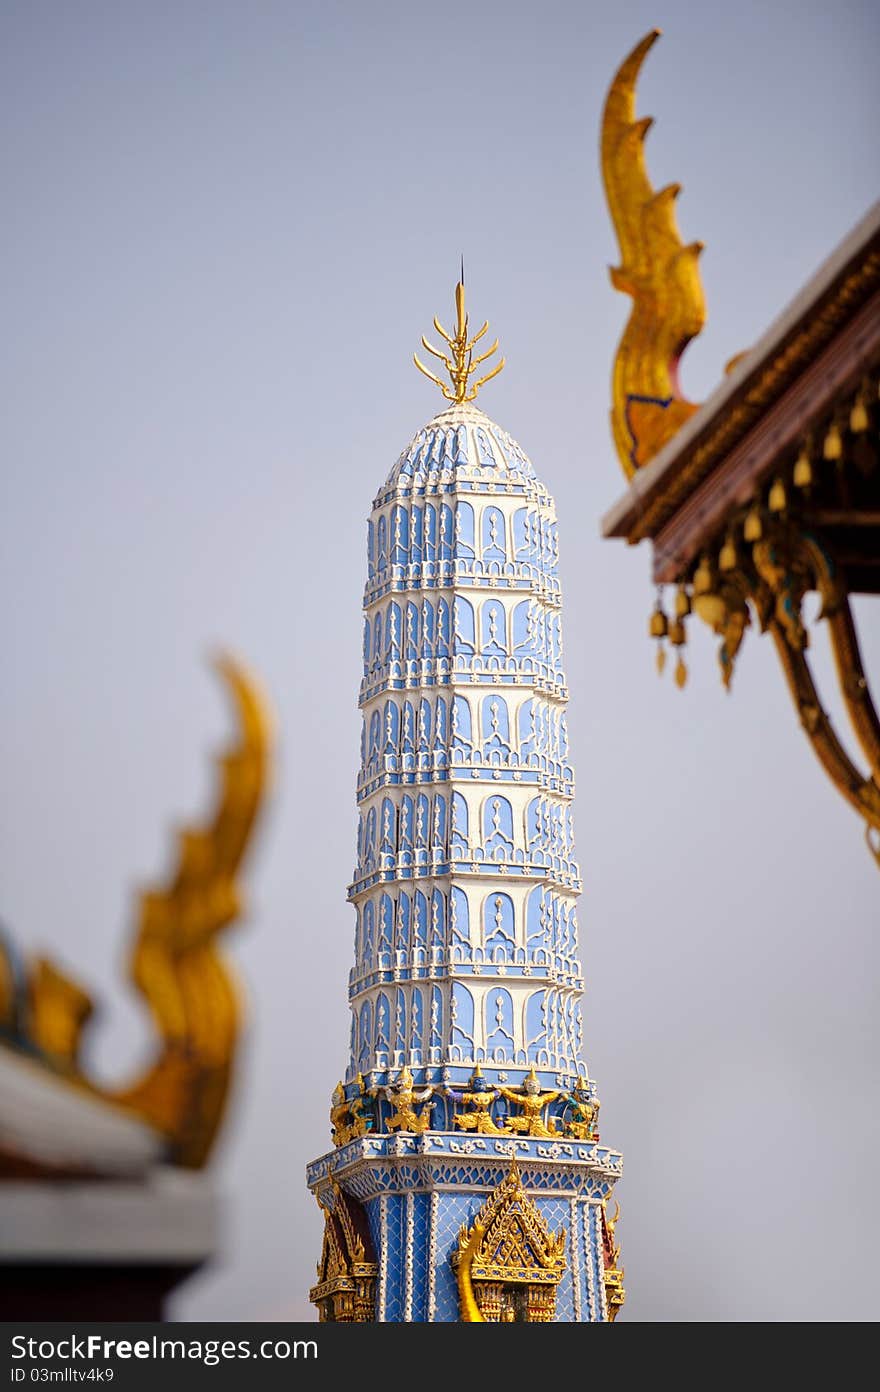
point(467, 1180)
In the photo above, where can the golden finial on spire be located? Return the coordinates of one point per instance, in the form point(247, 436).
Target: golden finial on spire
point(462, 364)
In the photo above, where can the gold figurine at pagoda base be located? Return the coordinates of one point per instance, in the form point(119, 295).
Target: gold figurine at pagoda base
point(532, 1102)
point(350, 1117)
point(403, 1098)
point(472, 1109)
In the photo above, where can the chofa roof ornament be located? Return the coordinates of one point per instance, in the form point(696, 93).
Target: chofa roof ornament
point(175, 961)
point(657, 269)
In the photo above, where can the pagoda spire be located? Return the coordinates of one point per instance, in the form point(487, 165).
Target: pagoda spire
point(466, 1045)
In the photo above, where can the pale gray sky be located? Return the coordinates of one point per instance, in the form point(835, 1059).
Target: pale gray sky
point(226, 227)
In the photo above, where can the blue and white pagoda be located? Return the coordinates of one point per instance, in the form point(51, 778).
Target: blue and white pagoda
point(467, 1180)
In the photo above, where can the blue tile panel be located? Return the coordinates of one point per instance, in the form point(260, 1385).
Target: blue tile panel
point(421, 1233)
point(418, 1191)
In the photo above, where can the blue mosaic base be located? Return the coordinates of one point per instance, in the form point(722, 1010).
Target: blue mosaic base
point(417, 1192)
point(417, 1282)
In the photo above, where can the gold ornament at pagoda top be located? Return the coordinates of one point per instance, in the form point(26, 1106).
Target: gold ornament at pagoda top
point(460, 362)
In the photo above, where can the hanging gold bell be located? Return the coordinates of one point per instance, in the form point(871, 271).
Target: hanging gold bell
point(803, 469)
point(681, 672)
point(858, 416)
point(661, 660)
point(832, 447)
point(753, 527)
point(682, 603)
point(677, 635)
point(658, 626)
point(776, 499)
point(703, 577)
point(728, 558)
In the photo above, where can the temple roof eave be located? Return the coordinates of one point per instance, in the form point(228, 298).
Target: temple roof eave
point(847, 281)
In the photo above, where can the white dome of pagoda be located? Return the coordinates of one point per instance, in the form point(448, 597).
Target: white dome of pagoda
point(461, 439)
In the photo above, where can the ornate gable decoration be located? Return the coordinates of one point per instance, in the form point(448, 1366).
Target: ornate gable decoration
point(518, 1245)
point(509, 1246)
point(345, 1293)
point(615, 1294)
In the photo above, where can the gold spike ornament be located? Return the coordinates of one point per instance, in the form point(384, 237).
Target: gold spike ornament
point(462, 364)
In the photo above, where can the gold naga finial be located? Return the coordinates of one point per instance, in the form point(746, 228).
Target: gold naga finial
point(462, 365)
point(657, 269)
point(176, 963)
